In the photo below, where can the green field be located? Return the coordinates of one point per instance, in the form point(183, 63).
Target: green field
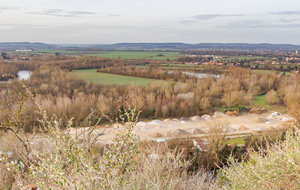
point(235, 141)
point(258, 101)
point(262, 102)
point(270, 71)
point(137, 55)
point(161, 66)
point(111, 79)
point(238, 57)
point(63, 51)
point(121, 54)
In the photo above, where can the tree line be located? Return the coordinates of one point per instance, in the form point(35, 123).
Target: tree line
point(65, 95)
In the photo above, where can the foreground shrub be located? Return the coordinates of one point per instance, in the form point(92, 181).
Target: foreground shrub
point(276, 167)
point(165, 169)
point(70, 165)
point(68, 162)
point(6, 178)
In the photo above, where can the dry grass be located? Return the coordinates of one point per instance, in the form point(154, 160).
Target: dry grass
point(6, 177)
point(276, 167)
point(271, 97)
point(162, 168)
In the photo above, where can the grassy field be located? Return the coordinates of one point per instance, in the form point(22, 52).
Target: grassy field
point(270, 71)
point(258, 101)
point(199, 68)
point(262, 102)
point(138, 55)
point(63, 51)
point(121, 54)
point(235, 141)
point(111, 79)
point(237, 57)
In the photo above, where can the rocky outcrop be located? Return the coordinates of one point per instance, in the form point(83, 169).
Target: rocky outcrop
point(230, 113)
point(195, 131)
point(196, 118)
point(257, 110)
point(242, 128)
point(177, 132)
point(207, 117)
point(156, 135)
point(258, 120)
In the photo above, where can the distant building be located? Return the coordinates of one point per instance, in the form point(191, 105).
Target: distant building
point(274, 62)
point(192, 63)
point(207, 55)
point(21, 50)
point(208, 63)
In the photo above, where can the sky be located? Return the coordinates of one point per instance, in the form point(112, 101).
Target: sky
point(118, 21)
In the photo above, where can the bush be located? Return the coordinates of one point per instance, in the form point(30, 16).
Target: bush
point(271, 97)
point(276, 167)
point(6, 177)
point(71, 163)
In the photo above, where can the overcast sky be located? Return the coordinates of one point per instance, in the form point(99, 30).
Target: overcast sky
point(115, 21)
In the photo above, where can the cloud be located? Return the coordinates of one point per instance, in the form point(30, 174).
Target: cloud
point(187, 22)
point(288, 20)
point(78, 13)
point(62, 13)
point(258, 24)
point(115, 15)
point(161, 25)
point(286, 13)
point(6, 8)
point(246, 24)
point(212, 16)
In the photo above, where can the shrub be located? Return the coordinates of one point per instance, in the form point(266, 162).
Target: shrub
point(276, 167)
point(6, 177)
point(232, 99)
point(68, 161)
point(271, 97)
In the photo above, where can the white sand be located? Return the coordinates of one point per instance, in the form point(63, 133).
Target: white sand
point(197, 126)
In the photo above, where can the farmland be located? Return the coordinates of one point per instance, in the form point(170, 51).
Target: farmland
point(149, 55)
point(212, 69)
point(270, 72)
point(238, 57)
point(138, 55)
point(111, 79)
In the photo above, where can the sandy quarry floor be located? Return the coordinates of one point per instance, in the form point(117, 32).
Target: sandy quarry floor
point(197, 126)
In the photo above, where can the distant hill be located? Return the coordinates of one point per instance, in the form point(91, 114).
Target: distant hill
point(146, 46)
point(217, 46)
point(150, 46)
point(24, 45)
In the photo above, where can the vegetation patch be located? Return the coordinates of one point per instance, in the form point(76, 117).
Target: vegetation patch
point(111, 79)
point(235, 141)
point(238, 57)
point(270, 72)
point(261, 101)
point(138, 55)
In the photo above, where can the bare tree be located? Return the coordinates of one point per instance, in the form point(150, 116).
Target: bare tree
point(217, 131)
